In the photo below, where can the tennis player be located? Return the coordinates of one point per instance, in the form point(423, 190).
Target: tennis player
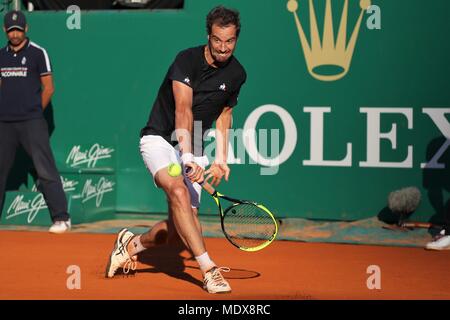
point(201, 86)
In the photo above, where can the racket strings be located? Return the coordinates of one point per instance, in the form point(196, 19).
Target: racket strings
point(248, 226)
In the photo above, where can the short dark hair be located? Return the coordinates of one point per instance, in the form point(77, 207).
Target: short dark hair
point(223, 17)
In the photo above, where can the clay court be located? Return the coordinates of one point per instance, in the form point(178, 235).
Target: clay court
point(36, 262)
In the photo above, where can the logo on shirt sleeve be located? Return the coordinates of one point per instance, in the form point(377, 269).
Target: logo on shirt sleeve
point(223, 87)
point(187, 80)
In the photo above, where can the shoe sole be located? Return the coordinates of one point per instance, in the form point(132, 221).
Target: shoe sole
point(59, 232)
point(118, 238)
point(437, 249)
point(217, 292)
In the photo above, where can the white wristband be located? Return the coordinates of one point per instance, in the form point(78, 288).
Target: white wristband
point(187, 157)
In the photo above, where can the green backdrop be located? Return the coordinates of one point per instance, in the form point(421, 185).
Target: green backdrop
point(107, 75)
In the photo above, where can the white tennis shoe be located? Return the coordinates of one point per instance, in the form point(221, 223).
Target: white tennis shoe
point(214, 282)
point(441, 242)
point(119, 256)
point(60, 226)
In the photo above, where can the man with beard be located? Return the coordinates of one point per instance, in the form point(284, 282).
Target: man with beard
point(26, 88)
point(201, 87)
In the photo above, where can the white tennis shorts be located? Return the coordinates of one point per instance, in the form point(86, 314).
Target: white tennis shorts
point(158, 154)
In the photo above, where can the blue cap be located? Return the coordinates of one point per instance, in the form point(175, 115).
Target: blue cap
point(15, 20)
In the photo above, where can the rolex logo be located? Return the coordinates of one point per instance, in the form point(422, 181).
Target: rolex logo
point(328, 53)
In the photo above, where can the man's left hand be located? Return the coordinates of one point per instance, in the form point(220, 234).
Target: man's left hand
point(216, 172)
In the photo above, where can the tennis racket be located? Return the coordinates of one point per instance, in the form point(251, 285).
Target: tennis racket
point(248, 225)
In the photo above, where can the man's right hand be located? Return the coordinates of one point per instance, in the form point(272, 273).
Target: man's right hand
point(195, 173)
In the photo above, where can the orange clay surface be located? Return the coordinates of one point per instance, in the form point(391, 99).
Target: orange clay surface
point(34, 266)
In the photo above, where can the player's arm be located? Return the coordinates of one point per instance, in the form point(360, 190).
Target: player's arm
point(184, 121)
point(47, 90)
point(219, 168)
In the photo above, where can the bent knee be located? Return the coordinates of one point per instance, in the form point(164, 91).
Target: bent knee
point(178, 193)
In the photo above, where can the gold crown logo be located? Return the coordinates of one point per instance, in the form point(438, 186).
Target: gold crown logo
point(328, 52)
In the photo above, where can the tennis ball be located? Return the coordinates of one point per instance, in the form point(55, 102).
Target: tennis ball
point(174, 170)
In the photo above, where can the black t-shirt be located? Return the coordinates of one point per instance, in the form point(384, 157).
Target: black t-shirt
point(213, 89)
point(20, 90)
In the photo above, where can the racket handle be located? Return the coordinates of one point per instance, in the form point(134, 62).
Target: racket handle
point(208, 188)
point(205, 185)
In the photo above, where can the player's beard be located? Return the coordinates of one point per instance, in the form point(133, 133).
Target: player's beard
point(16, 42)
point(219, 64)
